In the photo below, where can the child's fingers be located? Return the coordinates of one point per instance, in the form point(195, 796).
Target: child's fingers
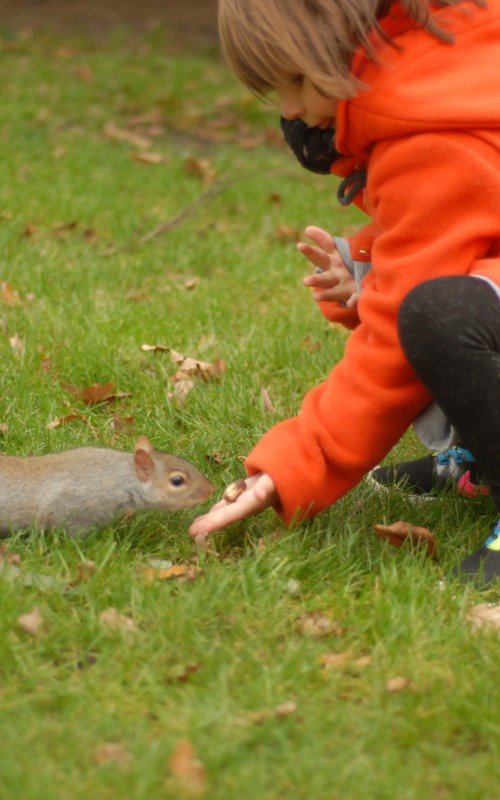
point(321, 237)
point(317, 257)
point(260, 494)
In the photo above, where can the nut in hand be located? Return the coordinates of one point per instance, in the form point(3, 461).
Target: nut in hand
point(234, 490)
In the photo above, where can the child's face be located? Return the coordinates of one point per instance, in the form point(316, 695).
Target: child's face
point(302, 100)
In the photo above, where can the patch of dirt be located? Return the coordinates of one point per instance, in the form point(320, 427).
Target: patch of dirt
point(192, 23)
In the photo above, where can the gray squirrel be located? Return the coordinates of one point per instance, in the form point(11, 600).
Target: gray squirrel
point(77, 490)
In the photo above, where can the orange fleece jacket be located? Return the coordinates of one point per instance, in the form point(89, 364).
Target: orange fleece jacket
point(428, 129)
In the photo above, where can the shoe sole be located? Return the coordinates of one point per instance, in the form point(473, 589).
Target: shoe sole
point(380, 488)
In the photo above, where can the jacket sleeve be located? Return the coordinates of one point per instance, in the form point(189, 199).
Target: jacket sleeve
point(441, 227)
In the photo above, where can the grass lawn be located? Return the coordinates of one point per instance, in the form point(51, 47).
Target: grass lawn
point(147, 199)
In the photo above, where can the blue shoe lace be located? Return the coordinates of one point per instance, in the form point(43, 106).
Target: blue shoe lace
point(458, 454)
point(493, 541)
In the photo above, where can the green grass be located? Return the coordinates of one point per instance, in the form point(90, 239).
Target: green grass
point(211, 660)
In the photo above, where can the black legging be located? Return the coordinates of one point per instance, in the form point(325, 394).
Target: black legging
point(450, 331)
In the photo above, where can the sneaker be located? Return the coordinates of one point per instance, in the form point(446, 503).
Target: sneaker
point(453, 469)
point(483, 566)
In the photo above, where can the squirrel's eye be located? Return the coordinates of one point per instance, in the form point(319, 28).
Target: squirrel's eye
point(177, 480)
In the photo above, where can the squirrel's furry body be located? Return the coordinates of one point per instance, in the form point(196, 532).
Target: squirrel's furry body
point(83, 488)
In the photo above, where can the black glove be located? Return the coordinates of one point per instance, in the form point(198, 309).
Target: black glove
point(313, 147)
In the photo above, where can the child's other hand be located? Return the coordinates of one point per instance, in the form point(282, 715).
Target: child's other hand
point(334, 282)
point(259, 493)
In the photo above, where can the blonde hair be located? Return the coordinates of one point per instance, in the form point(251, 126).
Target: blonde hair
point(273, 42)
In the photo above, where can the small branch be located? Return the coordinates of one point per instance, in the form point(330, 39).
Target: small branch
point(205, 196)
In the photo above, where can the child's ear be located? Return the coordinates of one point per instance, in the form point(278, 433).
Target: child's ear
point(144, 464)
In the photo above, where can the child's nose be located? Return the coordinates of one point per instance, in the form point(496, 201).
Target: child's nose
point(290, 106)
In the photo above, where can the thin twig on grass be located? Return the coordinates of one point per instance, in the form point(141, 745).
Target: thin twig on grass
point(207, 194)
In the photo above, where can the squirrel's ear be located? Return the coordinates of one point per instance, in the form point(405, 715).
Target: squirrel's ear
point(143, 443)
point(144, 464)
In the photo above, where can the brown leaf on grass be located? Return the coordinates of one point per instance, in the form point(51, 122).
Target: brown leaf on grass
point(83, 574)
point(8, 556)
point(9, 296)
point(180, 392)
point(155, 348)
point(187, 769)
point(29, 231)
point(345, 659)
point(125, 424)
point(117, 134)
point(185, 573)
point(96, 393)
point(84, 73)
point(201, 168)
point(65, 227)
point(17, 345)
point(287, 233)
point(148, 157)
point(114, 753)
point(275, 199)
point(188, 366)
point(315, 624)
point(32, 622)
point(335, 659)
point(282, 711)
point(182, 672)
point(216, 457)
point(266, 400)
point(193, 367)
point(399, 532)
point(192, 283)
point(111, 620)
point(484, 616)
point(399, 683)
point(310, 345)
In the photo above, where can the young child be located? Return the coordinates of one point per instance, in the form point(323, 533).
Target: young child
point(408, 91)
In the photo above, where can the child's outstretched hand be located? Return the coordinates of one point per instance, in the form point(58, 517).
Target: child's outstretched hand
point(253, 495)
point(332, 281)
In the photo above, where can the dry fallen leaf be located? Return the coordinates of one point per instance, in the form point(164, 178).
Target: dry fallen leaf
point(32, 622)
point(111, 620)
point(17, 344)
point(266, 400)
point(180, 392)
point(287, 233)
point(310, 344)
point(484, 616)
point(84, 72)
point(398, 684)
point(335, 659)
point(187, 769)
point(282, 711)
point(84, 572)
point(9, 296)
point(398, 532)
point(315, 624)
point(184, 572)
point(96, 393)
point(8, 556)
point(148, 157)
point(117, 134)
point(188, 367)
point(201, 168)
point(115, 753)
